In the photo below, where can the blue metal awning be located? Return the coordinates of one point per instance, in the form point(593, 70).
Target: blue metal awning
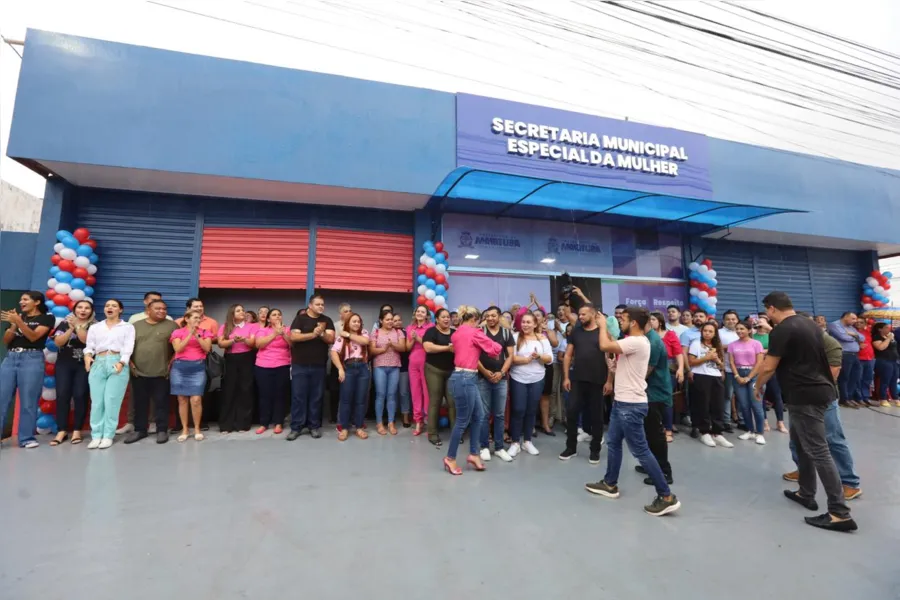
point(476, 191)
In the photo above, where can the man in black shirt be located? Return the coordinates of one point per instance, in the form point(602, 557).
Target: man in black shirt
point(797, 355)
point(312, 334)
point(587, 384)
point(492, 383)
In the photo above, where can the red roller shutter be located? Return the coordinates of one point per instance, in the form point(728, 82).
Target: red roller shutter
point(271, 259)
point(360, 260)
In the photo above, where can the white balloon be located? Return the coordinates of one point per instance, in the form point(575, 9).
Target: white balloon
point(89, 299)
point(51, 283)
point(77, 295)
point(713, 300)
point(868, 306)
point(422, 289)
point(703, 295)
point(57, 247)
point(430, 262)
point(48, 393)
point(62, 288)
point(423, 259)
point(694, 266)
point(879, 289)
point(703, 269)
point(711, 273)
point(68, 254)
point(440, 300)
point(59, 320)
point(82, 261)
point(91, 269)
point(50, 357)
point(871, 281)
point(441, 268)
point(694, 291)
point(430, 294)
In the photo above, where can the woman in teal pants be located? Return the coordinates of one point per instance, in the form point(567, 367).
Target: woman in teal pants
point(107, 354)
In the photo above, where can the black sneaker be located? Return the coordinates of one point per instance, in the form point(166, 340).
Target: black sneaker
point(135, 436)
point(293, 435)
point(162, 437)
point(567, 454)
point(601, 488)
point(640, 469)
point(595, 458)
point(824, 521)
point(660, 506)
point(315, 433)
point(728, 429)
point(807, 503)
point(649, 480)
point(695, 433)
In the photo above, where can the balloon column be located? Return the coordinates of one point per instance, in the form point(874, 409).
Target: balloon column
point(432, 276)
point(704, 292)
point(72, 278)
point(873, 290)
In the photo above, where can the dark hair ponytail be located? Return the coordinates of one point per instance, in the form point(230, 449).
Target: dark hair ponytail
point(39, 298)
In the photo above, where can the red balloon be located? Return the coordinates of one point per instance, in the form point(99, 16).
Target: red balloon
point(422, 269)
point(713, 292)
point(55, 259)
point(80, 273)
point(81, 234)
point(694, 307)
point(92, 244)
point(866, 300)
point(430, 305)
point(887, 286)
point(66, 265)
point(48, 407)
point(874, 274)
point(421, 300)
point(441, 279)
point(430, 273)
point(49, 369)
point(50, 295)
point(707, 262)
point(446, 256)
point(703, 287)
point(438, 246)
point(90, 280)
point(445, 284)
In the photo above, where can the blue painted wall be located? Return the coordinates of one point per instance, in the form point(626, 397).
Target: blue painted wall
point(90, 101)
point(18, 249)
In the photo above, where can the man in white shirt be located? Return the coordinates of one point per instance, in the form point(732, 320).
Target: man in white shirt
point(149, 298)
point(728, 335)
point(673, 320)
point(629, 410)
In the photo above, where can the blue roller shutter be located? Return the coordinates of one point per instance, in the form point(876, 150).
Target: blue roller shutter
point(733, 264)
point(837, 277)
point(786, 269)
point(145, 242)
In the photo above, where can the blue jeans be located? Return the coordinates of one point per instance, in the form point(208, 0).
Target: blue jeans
point(848, 380)
point(386, 381)
point(729, 392)
point(23, 371)
point(887, 378)
point(524, 401)
point(464, 387)
point(837, 445)
point(307, 385)
point(493, 402)
point(866, 376)
point(751, 409)
point(354, 394)
point(403, 390)
point(627, 422)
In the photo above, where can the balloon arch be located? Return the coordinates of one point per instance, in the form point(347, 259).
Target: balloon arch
point(704, 287)
point(432, 279)
point(72, 279)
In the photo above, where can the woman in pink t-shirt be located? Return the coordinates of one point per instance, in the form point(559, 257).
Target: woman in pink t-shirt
point(237, 336)
point(746, 356)
point(188, 374)
point(417, 386)
point(273, 371)
point(385, 346)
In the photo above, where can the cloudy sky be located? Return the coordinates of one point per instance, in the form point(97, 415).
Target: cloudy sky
point(814, 94)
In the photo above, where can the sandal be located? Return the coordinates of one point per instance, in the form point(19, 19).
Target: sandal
point(199, 437)
point(669, 438)
point(261, 429)
point(361, 434)
point(76, 438)
point(392, 429)
point(182, 437)
point(436, 442)
point(278, 429)
point(59, 440)
point(418, 430)
point(381, 430)
point(343, 434)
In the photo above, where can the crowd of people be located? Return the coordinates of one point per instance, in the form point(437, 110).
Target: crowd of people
point(505, 376)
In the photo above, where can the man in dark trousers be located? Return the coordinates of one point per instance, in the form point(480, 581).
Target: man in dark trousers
point(312, 334)
point(797, 356)
point(587, 384)
point(659, 396)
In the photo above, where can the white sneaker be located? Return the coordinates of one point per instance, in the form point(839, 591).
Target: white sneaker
point(503, 455)
point(485, 454)
point(126, 428)
point(31, 444)
point(721, 441)
point(584, 437)
point(530, 449)
point(513, 450)
point(707, 440)
point(747, 436)
point(105, 443)
point(151, 428)
point(95, 443)
point(760, 440)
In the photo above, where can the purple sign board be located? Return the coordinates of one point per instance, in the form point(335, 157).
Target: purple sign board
point(546, 143)
point(652, 296)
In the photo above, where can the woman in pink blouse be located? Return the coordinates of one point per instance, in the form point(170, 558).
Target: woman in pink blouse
point(385, 346)
point(746, 357)
point(469, 341)
point(350, 356)
point(273, 371)
point(188, 374)
point(237, 336)
point(417, 387)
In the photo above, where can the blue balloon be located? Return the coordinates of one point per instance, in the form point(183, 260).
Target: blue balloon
point(54, 270)
point(694, 276)
point(64, 277)
point(63, 234)
point(50, 381)
point(430, 251)
point(84, 250)
point(78, 284)
point(440, 290)
point(88, 291)
point(443, 422)
point(421, 279)
point(50, 304)
point(50, 345)
point(47, 422)
point(439, 258)
point(93, 258)
point(888, 274)
point(71, 242)
point(430, 283)
point(60, 311)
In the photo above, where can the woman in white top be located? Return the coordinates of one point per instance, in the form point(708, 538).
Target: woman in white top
point(707, 387)
point(532, 353)
point(107, 354)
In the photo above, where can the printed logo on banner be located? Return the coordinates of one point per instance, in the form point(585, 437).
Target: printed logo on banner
point(569, 246)
point(495, 241)
point(466, 240)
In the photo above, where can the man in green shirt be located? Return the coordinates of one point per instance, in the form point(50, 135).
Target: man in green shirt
point(659, 396)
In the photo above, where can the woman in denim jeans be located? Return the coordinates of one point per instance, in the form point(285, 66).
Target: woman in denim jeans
point(23, 367)
point(350, 356)
point(468, 342)
point(385, 346)
point(746, 356)
point(886, 357)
